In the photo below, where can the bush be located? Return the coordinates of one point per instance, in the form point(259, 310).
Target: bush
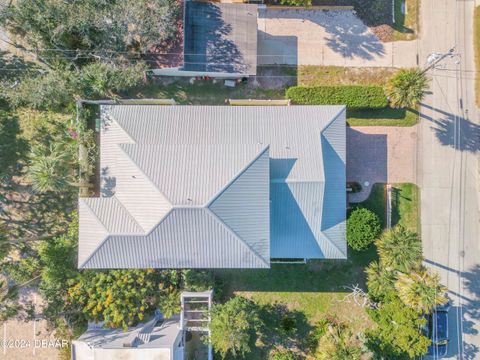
point(301, 3)
point(354, 97)
point(363, 227)
point(22, 270)
point(282, 355)
point(197, 280)
point(121, 298)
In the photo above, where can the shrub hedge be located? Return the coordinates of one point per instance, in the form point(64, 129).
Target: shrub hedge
point(353, 96)
point(363, 227)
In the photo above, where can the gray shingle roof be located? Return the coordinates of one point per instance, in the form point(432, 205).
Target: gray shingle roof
point(216, 186)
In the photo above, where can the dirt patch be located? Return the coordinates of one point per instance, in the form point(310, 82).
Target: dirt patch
point(275, 77)
point(29, 339)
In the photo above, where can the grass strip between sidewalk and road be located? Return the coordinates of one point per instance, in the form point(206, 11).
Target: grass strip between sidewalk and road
point(405, 206)
point(406, 25)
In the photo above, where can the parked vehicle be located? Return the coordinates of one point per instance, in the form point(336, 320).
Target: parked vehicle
point(437, 330)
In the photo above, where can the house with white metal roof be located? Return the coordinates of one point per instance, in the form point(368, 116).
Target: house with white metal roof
point(216, 187)
point(157, 339)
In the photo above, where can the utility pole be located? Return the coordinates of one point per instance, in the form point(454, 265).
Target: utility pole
point(435, 58)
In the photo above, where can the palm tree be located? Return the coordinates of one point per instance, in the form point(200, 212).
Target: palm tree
point(400, 249)
point(380, 281)
point(407, 87)
point(49, 168)
point(338, 343)
point(421, 290)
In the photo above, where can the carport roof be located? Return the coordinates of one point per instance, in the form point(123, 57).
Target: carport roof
point(220, 37)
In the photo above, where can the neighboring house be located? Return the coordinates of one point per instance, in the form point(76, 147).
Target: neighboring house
point(157, 339)
point(216, 187)
point(219, 40)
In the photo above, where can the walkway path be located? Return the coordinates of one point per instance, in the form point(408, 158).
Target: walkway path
point(380, 154)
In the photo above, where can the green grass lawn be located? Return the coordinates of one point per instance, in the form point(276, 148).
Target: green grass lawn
point(405, 206)
point(382, 117)
point(310, 291)
point(201, 93)
point(406, 26)
point(376, 202)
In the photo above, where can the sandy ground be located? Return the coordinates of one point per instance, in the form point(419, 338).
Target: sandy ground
point(28, 339)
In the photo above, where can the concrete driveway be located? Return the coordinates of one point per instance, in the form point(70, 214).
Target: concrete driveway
point(325, 37)
point(380, 154)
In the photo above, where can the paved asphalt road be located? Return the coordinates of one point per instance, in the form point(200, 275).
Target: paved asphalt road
point(448, 172)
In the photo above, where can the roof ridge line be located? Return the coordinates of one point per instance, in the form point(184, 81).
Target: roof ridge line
point(129, 214)
point(332, 243)
point(343, 109)
point(93, 213)
point(143, 172)
point(89, 209)
point(109, 236)
point(240, 173)
point(106, 113)
point(258, 256)
point(335, 118)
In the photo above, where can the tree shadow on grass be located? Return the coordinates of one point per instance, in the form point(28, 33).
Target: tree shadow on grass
point(385, 113)
point(321, 276)
point(281, 328)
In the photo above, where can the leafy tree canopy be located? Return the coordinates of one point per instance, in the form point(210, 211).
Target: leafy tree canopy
point(233, 326)
point(59, 268)
point(363, 227)
point(99, 26)
point(57, 88)
point(119, 297)
point(398, 332)
point(11, 145)
point(197, 280)
point(169, 303)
